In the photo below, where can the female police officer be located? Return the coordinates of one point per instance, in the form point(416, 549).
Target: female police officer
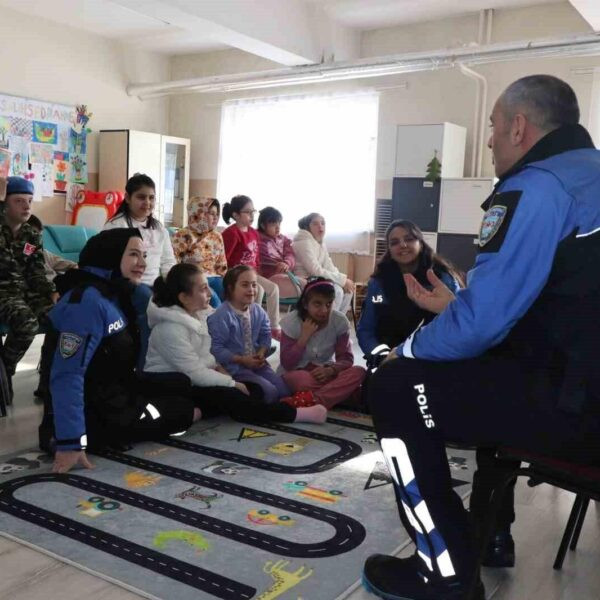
point(96, 397)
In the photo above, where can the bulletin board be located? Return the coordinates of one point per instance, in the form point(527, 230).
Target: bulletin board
point(46, 143)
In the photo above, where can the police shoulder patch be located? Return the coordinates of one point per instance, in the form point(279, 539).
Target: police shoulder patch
point(68, 344)
point(492, 221)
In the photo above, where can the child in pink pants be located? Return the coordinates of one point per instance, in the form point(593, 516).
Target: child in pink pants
point(316, 350)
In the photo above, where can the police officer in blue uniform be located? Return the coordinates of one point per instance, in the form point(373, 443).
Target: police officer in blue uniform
point(509, 361)
point(97, 398)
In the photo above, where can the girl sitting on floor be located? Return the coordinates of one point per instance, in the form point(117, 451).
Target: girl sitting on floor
point(316, 350)
point(180, 343)
point(277, 257)
point(241, 248)
point(201, 244)
point(241, 335)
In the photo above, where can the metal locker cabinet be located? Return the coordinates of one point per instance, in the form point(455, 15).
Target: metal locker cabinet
point(459, 249)
point(416, 200)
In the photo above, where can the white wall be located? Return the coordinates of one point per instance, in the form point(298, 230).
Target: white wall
point(47, 61)
point(429, 97)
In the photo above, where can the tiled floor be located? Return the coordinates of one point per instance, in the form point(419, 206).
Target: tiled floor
point(27, 574)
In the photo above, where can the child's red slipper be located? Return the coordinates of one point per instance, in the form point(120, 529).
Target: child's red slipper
point(300, 400)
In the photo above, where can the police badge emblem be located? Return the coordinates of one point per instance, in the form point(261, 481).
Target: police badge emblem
point(492, 221)
point(69, 344)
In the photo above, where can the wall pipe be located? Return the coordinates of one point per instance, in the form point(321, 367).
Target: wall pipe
point(582, 45)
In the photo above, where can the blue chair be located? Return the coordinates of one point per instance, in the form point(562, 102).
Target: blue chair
point(293, 300)
point(66, 240)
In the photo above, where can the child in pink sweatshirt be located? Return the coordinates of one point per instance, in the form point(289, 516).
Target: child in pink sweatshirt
point(316, 350)
point(276, 254)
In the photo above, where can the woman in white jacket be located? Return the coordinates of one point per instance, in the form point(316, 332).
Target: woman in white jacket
point(136, 211)
point(180, 343)
point(313, 260)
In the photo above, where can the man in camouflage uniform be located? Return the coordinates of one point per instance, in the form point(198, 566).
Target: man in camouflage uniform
point(26, 295)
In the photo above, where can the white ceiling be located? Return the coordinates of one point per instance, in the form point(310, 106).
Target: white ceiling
point(373, 14)
point(277, 29)
point(111, 20)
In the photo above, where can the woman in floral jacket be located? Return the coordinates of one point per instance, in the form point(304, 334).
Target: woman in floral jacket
point(201, 244)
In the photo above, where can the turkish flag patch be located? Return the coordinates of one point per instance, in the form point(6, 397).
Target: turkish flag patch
point(28, 249)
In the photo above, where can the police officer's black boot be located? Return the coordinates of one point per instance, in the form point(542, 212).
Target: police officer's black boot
point(46, 437)
point(500, 552)
point(394, 578)
point(47, 354)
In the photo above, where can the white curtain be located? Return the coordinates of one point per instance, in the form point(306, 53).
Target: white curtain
point(305, 154)
point(594, 119)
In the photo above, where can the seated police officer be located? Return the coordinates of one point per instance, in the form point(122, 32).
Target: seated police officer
point(510, 360)
point(97, 399)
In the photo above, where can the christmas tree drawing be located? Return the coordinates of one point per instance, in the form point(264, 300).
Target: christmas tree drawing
point(434, 168)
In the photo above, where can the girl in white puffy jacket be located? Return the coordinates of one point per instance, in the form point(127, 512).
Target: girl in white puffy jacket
point(313, 260)
point(180, 343)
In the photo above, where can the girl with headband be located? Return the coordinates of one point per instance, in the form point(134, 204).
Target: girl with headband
point(316, 350)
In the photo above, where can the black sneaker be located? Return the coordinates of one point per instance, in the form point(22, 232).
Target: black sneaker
point(500, 553)
point(394, 578)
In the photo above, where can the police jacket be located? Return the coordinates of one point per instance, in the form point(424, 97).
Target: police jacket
point(22, 261)
point(388, 316)
point(94, 361)
point(534, 292)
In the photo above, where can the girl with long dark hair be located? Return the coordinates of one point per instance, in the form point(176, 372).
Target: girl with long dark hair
point(388, 315)
point(137, 210)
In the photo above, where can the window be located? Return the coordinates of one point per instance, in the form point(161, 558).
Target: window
point(305, 154)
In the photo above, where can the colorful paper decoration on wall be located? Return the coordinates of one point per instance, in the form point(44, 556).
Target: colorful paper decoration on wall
point(45, 133)
point(41, 154)
point(4, 132)
point(47, 143)
point(5, 157)
point(19, 148)
point(42, 181)
point(61, 170)
point(77, 142)
point(64, 133)
point(73, 190)
point(79, 172)
point(21, 128)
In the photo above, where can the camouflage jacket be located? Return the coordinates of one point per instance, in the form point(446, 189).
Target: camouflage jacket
point(22, 262)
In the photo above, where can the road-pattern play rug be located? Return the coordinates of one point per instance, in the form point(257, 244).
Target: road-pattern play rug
point(230, 510)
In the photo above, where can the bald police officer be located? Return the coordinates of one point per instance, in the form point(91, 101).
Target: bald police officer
point(510, 360)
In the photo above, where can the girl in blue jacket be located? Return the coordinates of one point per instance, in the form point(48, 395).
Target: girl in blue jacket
point(388, 316)
point(241, 335)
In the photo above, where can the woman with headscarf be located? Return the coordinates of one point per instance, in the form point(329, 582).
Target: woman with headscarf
point(202, 245)
point(97, 399)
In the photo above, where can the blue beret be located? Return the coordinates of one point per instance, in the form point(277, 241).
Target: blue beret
point(18, 185)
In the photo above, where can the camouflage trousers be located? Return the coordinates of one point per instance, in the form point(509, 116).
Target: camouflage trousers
point(23, 315)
